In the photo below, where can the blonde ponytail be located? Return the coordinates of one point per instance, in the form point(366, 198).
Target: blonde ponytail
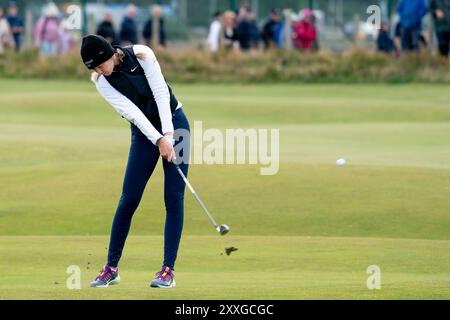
point(141, 56)
point(94, 77)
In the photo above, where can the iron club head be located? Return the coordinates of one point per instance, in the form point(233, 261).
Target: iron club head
point(223, 229)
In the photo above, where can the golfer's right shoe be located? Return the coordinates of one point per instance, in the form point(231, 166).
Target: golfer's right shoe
point(164, 279)
point(107, 277)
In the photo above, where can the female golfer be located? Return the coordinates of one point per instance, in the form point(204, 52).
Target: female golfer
point(130, 79)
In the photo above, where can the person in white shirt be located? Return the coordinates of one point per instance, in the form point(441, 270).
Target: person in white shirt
point(131, 81)
point(214, 33)
point(6, 36)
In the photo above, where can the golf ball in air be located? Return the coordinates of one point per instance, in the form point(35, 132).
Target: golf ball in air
point(340, 162)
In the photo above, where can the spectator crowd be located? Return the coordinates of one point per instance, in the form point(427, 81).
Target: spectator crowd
point(52, 34)
point(239, 31)
point(231, 30)
point(128, 33)
point(409, 34)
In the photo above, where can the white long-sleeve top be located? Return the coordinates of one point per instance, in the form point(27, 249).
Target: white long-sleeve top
point(214, 36)
point(127, 109)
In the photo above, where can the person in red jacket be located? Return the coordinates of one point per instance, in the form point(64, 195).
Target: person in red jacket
point(305, 32)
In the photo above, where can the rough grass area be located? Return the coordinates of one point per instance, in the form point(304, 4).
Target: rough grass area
point(354, 66)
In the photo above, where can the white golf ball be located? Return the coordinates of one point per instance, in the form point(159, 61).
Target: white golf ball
point(340, 162)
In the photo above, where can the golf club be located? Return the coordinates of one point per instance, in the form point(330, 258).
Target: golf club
point(222, 229)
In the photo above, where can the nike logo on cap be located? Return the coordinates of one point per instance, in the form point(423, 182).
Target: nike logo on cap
point(132, 70)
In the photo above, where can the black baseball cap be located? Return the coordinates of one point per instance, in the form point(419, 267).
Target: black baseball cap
point(95, 50)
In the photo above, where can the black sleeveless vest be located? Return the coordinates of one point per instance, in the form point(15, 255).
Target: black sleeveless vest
point(129, 79)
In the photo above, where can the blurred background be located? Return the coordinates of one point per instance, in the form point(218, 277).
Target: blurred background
point(187, 22)
point(267, 38)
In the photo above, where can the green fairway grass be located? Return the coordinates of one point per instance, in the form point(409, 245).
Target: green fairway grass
point(309, 231)
point(263, 268)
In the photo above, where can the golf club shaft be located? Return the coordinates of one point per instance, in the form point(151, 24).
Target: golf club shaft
point(197, 197)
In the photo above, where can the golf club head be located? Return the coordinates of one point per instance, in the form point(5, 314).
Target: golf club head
point(223, 229)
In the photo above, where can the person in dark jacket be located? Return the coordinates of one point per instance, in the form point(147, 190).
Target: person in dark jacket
point(106, 29)
point(270, 28)
point(411, 13)
point(16, 24)
point(440, 9)
point(246, 29)
point(254, 31)
point(243, 31)
point(128, 30)
point(384, 40)
point(147, 33)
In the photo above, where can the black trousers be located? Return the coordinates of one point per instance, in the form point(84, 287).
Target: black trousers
point(410, 39)
point(143, 157)
point(444, 43)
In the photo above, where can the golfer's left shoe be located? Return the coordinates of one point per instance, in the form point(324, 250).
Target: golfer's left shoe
point(106, 278)
point(164, 279)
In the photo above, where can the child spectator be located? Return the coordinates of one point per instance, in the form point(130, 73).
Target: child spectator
point(384, 40)
point(66, 39)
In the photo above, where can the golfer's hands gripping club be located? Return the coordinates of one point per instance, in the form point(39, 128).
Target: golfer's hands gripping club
point(166, 147)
